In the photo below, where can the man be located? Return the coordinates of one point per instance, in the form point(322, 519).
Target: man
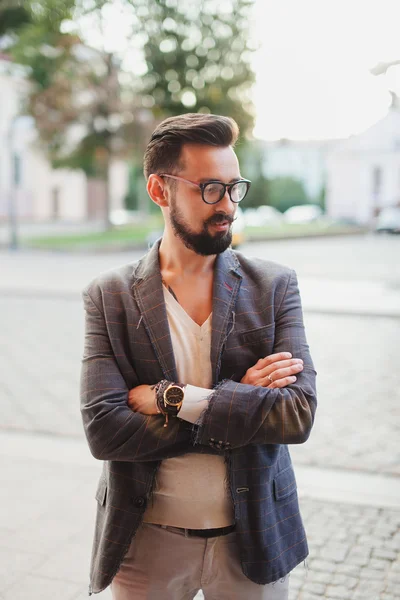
point(196, 375)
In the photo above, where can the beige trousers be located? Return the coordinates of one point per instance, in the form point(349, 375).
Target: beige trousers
point(164, 564)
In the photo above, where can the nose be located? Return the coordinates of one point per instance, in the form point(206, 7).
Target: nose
point(226, 205)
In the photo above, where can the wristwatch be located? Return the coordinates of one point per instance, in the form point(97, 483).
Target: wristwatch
point(169, 398)
point(173, 398)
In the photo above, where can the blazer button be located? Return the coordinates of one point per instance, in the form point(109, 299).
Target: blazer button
point(139, 501)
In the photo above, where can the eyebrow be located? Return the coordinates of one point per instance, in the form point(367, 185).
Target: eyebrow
point(206, 179)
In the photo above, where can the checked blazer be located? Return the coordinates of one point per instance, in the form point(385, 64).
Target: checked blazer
point(256, 312)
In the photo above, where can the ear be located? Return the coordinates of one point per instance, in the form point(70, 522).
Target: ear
point(156, 190)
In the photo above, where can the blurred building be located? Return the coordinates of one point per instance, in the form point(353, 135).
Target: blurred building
point(364, 171)
point(302, 160)
point(28, 183)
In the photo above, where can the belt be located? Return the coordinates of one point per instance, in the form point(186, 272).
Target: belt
point(203, 533)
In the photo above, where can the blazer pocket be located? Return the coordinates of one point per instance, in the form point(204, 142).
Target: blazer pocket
point(101, 492)
point(260, 334)
point(284, 484)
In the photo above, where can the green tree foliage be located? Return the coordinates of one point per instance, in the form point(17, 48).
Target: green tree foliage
point(285, 192)
point(47, 54)
point(258, 194)
point(198, 58)
point(89, 108)
point(252, 156)
point(75, 95)
point(13, 16)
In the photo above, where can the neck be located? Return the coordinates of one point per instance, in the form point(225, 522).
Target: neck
point(176, 258)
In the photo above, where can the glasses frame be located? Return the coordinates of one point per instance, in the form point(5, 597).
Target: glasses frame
point(202, 186)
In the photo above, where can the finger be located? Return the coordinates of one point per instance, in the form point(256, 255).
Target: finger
point(289, 371)
point(281, 364)
point(280, 383)
point(267, 360)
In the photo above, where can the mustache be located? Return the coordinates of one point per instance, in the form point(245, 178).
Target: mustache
point(220, 218)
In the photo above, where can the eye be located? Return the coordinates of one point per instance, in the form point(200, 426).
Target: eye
point(213, 188)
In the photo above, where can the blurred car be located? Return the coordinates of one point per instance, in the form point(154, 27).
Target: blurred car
point(122, 216)
point(388, 220)
point(303, 213)
point(238, 227)
point(263, 215)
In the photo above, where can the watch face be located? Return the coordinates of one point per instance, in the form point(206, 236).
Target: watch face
point(174, 395)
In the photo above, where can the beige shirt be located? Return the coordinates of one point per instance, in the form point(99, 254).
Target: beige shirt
point(191, 490)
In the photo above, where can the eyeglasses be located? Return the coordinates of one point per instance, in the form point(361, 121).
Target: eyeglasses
point(213, 191)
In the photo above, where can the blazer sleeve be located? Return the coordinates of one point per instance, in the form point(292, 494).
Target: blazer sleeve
point(113, 430)
point(241, 414)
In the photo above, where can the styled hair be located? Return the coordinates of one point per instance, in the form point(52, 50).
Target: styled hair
point(164, 148)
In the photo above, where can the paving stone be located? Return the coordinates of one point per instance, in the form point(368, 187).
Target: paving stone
point(314, 588)
point(392, 587)
point(308, 596)
point(393, 544)
point(323, 565)
point(368, 573)
point(364, 595)
point(358, 559)
point(369, 586)
point(393, 576)
point(339, 591)
point(321, 577)
point(370, 541)
point(382, 553)
point(336, 552)
point(379, 564)
point(347, 569)
point(345, 581)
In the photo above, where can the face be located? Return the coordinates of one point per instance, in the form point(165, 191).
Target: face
point(204, 228)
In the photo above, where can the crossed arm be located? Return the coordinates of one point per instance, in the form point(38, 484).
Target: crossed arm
point(280, 368)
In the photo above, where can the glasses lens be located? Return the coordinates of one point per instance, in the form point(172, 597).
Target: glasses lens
point(213, 192)
point(239, 190)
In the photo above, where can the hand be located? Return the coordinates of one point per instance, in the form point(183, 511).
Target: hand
point(281, 367)
point(142, 398)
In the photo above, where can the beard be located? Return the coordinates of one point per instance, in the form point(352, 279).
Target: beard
point(203, 243)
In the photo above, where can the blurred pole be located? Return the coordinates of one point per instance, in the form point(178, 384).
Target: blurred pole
point(12, 201)
point(23, 123)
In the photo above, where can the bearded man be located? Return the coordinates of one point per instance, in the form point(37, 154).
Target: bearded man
point(196, 378)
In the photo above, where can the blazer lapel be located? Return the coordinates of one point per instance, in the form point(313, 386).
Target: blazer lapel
point(149, 296)
point(148, 293)
point(227, 280)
